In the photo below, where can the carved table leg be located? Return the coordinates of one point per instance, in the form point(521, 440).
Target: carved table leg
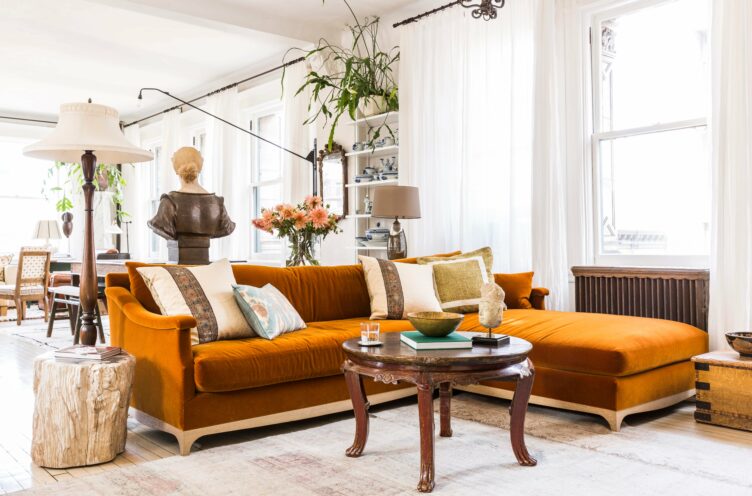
point(425, 412)
point(517, 413)
point(445, 409)
point(360, 407)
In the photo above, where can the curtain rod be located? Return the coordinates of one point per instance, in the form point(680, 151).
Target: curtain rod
point(425, 14)
point(7, 117)
point(268, 71)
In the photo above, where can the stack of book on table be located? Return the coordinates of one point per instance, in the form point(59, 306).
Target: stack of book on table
point(418, 341)
point(83, 352)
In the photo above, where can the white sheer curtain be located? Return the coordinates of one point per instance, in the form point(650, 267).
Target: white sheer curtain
point(466, 132)
point(298, 137)
point(228, 173)
point(549, 231)
point(731, 122)
point(137, 179)
point(480, 135)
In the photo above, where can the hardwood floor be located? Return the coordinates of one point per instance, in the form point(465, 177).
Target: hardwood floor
point(17, 471)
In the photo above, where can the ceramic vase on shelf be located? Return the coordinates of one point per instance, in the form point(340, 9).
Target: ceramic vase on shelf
point(374, 105)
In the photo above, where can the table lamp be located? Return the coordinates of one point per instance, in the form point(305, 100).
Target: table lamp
point(83, 130)
point(396, 202)
point(47, 230)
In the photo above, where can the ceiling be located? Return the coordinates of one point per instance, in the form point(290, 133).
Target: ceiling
point(56, 51)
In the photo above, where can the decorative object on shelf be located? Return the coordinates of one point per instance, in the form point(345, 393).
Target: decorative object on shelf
point(190, 217)
point(366, 81)
point(741, 342)
point(311, 157)
point(435, 324)
point(82, 130)
point(396, 202)
point(332, 179)
point(67, 219)
point(485, 9)
point(302, 225)
point(490, 312)
point(367, 205)
point(47, 230)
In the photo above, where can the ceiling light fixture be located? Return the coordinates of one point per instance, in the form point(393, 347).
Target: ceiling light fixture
point(486, 9)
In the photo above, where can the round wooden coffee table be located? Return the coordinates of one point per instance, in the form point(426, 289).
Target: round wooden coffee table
point(394, 362)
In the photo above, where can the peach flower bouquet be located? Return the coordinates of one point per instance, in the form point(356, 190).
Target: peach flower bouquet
point(302, 225)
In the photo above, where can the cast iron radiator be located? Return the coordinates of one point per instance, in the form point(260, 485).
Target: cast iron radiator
point(672, 294)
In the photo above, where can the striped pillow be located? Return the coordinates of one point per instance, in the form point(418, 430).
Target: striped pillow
point(397, 289)
point(267, 310)
point(204, 292)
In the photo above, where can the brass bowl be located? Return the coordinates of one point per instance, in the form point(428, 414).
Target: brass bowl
point(435, 324)
point(741, 342)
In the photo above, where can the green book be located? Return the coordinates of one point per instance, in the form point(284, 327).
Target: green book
point(453, 341)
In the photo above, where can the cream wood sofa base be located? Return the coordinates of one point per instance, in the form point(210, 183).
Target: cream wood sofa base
point(187, 438)
point(613, 417)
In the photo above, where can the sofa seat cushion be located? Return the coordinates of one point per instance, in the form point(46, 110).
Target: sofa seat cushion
point(316, 351)
point(597, 343)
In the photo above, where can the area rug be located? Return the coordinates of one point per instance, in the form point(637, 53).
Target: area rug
point(576, 455)
point(36, 333)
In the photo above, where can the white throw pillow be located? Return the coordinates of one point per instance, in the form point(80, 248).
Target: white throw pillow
point(205, 292)
point(397, 289)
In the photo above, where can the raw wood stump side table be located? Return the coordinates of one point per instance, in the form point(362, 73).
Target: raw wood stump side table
point(80, 410)
point(394, 362)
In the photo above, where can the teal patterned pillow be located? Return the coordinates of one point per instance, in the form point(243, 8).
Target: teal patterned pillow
point(267, 310)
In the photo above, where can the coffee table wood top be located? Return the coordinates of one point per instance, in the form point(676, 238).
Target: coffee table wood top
point(395, 352)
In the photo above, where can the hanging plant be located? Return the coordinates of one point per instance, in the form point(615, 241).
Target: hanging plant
point(362, 78)
point(68, 179)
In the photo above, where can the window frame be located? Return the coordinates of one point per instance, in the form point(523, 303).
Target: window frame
point(597, 136)
point(252, 116)
point(155, 146)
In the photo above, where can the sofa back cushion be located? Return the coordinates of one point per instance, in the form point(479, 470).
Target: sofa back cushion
point(317, 293)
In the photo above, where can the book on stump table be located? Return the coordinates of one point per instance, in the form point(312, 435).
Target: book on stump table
point(83, 352)
point(418, 341)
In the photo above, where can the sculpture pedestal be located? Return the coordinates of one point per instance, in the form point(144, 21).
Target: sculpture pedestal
point(81, 410)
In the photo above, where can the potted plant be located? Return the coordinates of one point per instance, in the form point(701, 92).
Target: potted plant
point(360, 78)
point(68, 180)
point(302, 225)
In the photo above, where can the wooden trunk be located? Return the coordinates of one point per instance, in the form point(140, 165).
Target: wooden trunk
point(81, 410)
point(724, 389)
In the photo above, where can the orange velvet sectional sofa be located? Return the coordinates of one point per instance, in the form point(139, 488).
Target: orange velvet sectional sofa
point(611, 366)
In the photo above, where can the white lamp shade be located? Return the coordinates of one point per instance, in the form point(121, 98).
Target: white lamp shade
point(85, 127)
point(113, 229)
point(47, 229)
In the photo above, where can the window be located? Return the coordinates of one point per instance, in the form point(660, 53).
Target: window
point(21, 197)
point(651, 142)
point(198, 140)
point(266, 177)
point(154, 196)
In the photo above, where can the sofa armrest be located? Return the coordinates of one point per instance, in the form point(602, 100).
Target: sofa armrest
point(537, 298)
point(161, 344)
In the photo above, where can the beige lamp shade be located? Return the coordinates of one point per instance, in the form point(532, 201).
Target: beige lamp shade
point(85, 127)
point(47, 229)
point(396, 202)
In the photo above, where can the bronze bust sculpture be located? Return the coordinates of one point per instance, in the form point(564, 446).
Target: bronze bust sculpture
point(190, 217)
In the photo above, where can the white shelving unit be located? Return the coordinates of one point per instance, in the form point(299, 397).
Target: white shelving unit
point(358, 160)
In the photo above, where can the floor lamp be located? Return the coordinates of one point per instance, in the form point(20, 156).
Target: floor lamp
point(83, 130)
point(311, 157)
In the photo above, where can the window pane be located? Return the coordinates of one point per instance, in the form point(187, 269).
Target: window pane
point(20, 176)
point(270, 158)
point(654, 65)
point(655, 194)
